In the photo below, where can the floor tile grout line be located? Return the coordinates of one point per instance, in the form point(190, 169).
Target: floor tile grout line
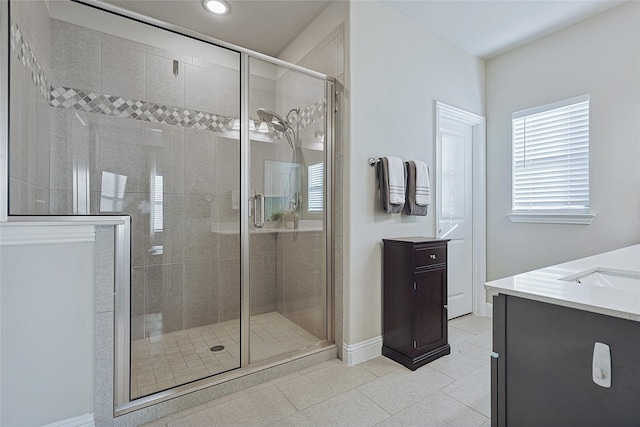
point(370, 371)
point(324, 400)
point(461, 402)
point(287, 397)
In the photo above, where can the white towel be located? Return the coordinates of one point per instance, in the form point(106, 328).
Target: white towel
point(423, 186)
point(396, 180)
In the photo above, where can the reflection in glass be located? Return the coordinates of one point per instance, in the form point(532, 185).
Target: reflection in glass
point(280, 186)
point(288, 265)
point(316, 187)
point(112, 192)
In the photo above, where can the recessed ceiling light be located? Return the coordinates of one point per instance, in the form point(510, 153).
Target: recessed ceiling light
point(219, 7)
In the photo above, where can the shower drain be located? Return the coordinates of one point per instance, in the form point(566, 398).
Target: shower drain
point(217, 348)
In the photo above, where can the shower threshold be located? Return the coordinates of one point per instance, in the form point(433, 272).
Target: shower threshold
point(169, 360)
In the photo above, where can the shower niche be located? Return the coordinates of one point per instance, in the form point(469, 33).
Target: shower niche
point(222, 158)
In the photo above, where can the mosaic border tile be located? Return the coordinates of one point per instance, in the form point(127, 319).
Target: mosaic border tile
point(110, 105)
point(90, 102)
point(312, 113)
point(29, 61)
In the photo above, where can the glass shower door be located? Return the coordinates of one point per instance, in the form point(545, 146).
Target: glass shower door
point(185, 299)
point(288, 291)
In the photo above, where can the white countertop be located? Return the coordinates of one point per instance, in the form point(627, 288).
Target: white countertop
point(545, 285)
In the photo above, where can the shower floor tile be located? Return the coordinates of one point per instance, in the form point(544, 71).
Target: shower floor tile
point(164, 361)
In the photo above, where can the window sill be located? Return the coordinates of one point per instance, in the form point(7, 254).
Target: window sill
point(552, 218)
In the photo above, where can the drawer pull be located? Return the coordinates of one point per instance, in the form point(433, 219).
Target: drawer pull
point(432, 256)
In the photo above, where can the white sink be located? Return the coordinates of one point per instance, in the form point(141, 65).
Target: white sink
point(607, 278)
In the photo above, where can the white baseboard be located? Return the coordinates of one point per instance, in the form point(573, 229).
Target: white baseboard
point(489, 310)
point(354, 354)
point(85, 420)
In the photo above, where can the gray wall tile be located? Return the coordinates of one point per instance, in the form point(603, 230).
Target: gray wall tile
point(165, 150)
point(228, 289)
point(75, 56)
point(198, 218)
point(33, 18)
point(200, 153)
point(161, 86)
point(200, 294)
point(22, 127)
point(123, 71)
point(121, 151)
point(202, 89)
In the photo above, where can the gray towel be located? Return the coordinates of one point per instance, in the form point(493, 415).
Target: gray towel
point(410, 206)
point(382, 171)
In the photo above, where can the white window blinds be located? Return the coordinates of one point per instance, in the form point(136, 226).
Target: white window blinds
point(316, 187)
point(158, 205)
point(551, 157)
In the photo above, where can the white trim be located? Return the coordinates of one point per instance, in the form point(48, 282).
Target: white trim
point(23, 234)
point(85, 420)
point(552, 218)
point(490, 310)
point(479, 196)
point(4, 110)
point(354, 354)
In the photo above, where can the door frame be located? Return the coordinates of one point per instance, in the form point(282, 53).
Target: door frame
point(479, 189)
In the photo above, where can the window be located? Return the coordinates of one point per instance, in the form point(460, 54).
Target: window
point(157, 217)
point(551, 163)
point(316, 187)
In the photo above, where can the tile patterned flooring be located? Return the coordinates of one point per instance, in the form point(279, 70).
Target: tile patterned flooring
point(167, 360)
point(451, 391)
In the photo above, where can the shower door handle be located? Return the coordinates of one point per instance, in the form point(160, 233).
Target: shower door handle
point(258, 198)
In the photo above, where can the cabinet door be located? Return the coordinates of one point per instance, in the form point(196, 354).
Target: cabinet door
point(548, 357)
point(429, 318)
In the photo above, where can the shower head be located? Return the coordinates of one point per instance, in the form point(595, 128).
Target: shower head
point(278, 123)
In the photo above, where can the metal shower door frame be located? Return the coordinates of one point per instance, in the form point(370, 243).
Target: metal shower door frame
point(122, 400)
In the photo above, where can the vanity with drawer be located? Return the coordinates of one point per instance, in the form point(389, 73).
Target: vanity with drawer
point(415, 300)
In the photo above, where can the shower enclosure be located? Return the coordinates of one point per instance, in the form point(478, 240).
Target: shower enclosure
point(222, 158)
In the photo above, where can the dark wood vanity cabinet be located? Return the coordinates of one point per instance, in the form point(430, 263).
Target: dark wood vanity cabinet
point(415, 300)
point(542, 366)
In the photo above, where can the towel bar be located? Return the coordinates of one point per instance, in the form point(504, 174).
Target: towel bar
point(372, 161)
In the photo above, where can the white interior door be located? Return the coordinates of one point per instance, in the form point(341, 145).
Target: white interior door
point(455, 210)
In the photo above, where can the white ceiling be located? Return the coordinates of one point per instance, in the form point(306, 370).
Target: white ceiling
point(484, 28)
point(488, 28)
point(266, 26)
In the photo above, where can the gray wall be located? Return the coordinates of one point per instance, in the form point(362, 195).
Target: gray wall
point(396, 72)
point(47, 311)
point(601, 57)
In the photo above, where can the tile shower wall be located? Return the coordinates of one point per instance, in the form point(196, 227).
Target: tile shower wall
point(88, 138)
point(29, 121)
point(195, 279)
point(185, 275)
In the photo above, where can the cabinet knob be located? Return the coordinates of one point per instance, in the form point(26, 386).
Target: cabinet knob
point(446, 306)
point(432, 256)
